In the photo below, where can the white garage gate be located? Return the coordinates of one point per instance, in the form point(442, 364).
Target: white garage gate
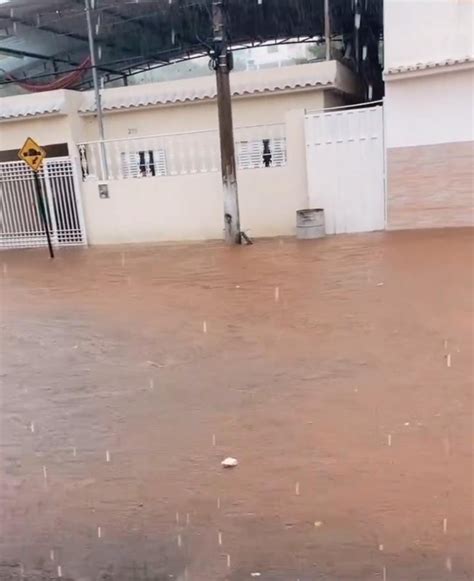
point(345, 168)
point(20, 219)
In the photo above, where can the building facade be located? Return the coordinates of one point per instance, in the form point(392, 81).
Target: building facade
point(429, 112)
point(160, 160)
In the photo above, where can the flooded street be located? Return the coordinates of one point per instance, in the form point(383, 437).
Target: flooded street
point(338, 373)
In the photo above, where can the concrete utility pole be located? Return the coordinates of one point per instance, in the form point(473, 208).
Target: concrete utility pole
point(226, 131)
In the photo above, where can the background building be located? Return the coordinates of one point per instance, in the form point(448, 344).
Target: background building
point(429, 109)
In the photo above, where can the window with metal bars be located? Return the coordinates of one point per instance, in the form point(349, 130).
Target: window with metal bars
point(146, 163)
point(260, 153)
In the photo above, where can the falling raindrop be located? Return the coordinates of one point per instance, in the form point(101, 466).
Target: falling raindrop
point(449, 564)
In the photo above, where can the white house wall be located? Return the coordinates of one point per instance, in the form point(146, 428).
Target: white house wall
point(252, 110)
point(429, 113)
point(190, 207)
point(46, 130)
point(420, 31)
point(424, 110)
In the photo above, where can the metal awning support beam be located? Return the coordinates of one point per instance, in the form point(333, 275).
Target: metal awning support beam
point(73, 35)
point(327, 29)
point(53, 59)
point(98, 101)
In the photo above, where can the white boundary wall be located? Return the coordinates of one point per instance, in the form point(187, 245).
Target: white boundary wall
point(430, 109)
point(190, 207)
point(421, 31)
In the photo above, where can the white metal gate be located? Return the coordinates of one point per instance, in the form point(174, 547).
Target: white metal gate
point(20, 220)
point(345, 162)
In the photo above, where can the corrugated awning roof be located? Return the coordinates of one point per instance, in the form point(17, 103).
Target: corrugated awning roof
point(46, 37)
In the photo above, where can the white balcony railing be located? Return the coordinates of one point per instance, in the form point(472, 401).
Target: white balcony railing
point(180, 153)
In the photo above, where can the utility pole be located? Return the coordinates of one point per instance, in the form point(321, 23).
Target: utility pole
point(222, 63)
point(95, 81)
point(327, 30)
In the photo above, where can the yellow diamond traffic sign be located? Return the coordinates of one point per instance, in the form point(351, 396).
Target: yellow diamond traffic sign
point(32, 153)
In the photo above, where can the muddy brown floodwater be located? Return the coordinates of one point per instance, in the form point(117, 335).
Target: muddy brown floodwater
point(338, 373)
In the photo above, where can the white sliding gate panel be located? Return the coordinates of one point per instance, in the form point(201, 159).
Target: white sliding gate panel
point(20, 221)
point(345, 168)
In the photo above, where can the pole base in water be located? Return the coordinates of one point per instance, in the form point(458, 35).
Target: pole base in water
point(247, 240)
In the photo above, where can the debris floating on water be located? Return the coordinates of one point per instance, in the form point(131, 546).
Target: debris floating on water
point(229, 462)
point(380, 283)
point(255, 574)
point(228, 561)
point(60, 571)
point(45, 473)
point(389, 439)
point(99, 532)
point(32, 427)
point(177, 518)
point(448, 359)
point(218, 502)
point(384, 574)
point(318, 523)
point(180, 542)
point(445, 525)
point(277, 294)
point(204, 327)
point(187, 519)
point(213, 439)
point(219, 539)
point(380, 547)
point(107, 456)
point(297, 489)
point(51, 555)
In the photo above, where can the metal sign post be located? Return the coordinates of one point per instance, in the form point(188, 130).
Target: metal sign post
point(43, 213)
point(33, 154)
